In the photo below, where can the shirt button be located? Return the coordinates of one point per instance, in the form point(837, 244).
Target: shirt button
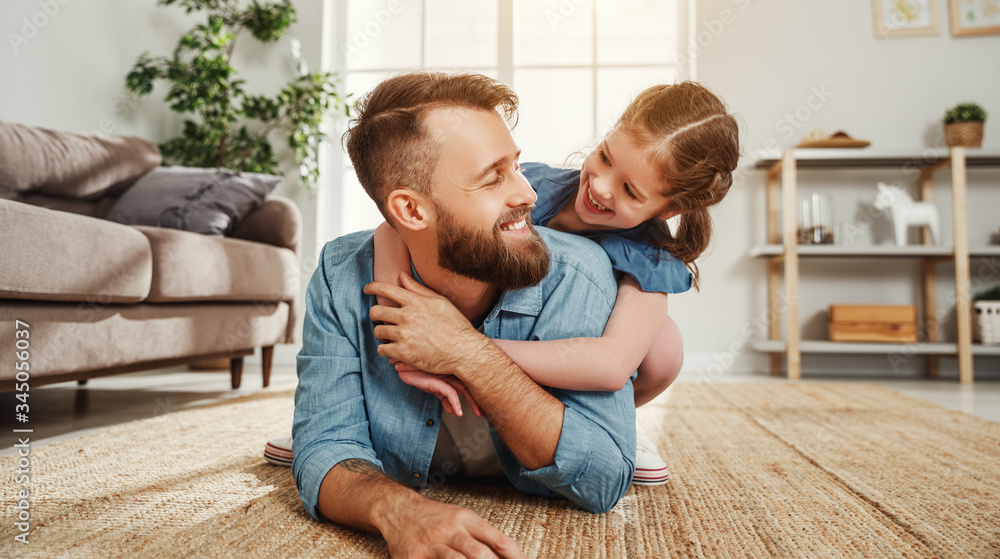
point(430, 422)
point(416, 475)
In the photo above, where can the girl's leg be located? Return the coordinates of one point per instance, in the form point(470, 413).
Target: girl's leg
point(661, 365)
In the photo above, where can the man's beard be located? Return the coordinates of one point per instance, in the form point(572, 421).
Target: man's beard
point(486, 257)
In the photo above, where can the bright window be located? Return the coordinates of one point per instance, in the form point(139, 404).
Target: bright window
point(574, 64)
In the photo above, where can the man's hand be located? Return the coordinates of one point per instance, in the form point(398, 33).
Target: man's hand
point(427, 331)
point(433, 529)
point(357, 493)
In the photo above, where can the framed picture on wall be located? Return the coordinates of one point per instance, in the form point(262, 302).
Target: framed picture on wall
point(974, 17)
point(905, 18)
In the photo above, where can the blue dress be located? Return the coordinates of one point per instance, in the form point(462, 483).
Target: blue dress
point(654, 269)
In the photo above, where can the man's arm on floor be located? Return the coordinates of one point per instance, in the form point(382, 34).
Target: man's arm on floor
point(357, 493)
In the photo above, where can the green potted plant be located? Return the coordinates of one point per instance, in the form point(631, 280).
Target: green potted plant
point(225, 126)
point(986, 316)
point(963, 125)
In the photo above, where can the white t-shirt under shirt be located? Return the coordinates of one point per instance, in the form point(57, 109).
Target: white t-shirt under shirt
point(464, 446)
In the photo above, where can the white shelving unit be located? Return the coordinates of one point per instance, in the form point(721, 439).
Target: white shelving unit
point(783, 252)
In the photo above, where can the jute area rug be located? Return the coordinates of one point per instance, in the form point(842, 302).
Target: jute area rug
point(757, 470)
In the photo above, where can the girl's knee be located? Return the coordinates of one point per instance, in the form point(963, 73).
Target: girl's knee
point(670, 346)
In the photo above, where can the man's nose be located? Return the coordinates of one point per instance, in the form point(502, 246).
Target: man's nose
point(523, 194)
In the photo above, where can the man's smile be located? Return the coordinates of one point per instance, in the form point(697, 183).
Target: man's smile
point(515, 225)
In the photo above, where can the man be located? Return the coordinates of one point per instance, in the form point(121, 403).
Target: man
point(437, 157)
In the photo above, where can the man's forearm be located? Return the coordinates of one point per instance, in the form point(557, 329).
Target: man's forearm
point(356, 493)
point(528, 418)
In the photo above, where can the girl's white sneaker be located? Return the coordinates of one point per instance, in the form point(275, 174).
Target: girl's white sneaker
point(650, 469)
point(279, 451)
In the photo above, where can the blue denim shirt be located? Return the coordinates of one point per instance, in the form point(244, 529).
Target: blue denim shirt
point(350, 402)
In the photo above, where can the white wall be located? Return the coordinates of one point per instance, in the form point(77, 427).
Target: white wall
point(821, 60)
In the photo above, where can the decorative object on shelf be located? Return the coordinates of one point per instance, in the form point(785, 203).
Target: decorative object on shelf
point(963, 125)
point(974, 17)
point(203, 82)
point(905, 18)
point(986, 316)
point(906, 213)
point(873, 323)
point(820, 138)
point(815, 225)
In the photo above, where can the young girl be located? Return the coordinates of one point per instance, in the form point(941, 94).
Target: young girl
point(672, 153)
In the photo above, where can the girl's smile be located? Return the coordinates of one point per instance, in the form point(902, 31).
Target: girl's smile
point(618, 187)
point(599, 208)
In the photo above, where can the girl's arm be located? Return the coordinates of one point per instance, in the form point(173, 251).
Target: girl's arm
point(604, 363)
point(391, 258)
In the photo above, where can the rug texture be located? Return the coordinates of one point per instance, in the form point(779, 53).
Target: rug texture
point(757, 470)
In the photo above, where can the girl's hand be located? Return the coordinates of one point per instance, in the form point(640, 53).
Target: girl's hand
point(447, 389)
point(391, 258)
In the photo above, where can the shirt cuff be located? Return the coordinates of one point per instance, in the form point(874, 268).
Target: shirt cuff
point(590, 468)
point(311, 469)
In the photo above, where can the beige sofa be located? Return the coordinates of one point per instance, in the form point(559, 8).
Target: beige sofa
point(99, 298)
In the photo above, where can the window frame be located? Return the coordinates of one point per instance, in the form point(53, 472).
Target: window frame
point(334, 161)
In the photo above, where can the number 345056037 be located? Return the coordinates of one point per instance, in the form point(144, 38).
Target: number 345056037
point(22, 364)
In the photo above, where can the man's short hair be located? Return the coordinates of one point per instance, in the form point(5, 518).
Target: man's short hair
point(388, 141)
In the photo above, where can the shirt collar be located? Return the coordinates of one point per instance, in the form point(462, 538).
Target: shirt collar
point(526, 301)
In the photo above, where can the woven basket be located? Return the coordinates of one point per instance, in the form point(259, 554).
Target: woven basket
point(986, 322)
point(964, 134)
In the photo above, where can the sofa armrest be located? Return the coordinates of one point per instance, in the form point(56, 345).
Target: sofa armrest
point(278, 222)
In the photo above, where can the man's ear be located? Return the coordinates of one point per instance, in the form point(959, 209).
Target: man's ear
point(408, 209)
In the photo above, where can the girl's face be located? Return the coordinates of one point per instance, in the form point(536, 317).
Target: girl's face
point(618, 188)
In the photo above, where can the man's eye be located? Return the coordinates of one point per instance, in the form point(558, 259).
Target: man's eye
point(496, 181)
point(628, 190)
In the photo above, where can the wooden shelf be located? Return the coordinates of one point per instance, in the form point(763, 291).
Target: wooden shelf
point(868, 158)
point(873, 251)
point(783, 253)
point(822, 346)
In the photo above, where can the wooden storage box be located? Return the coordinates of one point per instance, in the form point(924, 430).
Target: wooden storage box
point(873, 323)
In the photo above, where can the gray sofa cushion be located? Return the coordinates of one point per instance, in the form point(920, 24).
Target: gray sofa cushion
point(190, 267)
point(70, 338)
point(90, 208)
point(59, 256)
point(79, 166)
point(208, 201)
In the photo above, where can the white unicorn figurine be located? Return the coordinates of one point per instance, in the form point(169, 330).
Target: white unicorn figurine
point(906, 213)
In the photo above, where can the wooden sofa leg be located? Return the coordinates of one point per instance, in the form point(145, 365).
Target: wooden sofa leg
point(236, 371)
point(82, 382)
point(266, 359)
